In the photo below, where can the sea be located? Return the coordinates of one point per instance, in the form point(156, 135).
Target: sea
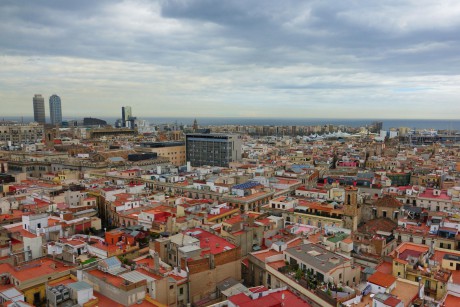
point(435, 124)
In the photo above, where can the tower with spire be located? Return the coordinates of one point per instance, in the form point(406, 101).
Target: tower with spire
point(195, 126)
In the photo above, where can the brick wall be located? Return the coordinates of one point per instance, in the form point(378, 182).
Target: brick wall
point(197, 266)
point(227, 256)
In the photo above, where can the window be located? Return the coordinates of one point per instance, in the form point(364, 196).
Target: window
point(181, 291)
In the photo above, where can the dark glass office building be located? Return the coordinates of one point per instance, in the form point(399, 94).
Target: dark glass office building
point(212, 149)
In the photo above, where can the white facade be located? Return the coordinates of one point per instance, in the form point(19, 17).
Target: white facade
point(380, 289)
point(34, 245)
point(32, 223)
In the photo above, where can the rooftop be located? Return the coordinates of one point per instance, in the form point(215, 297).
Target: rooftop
point(271, 299)
point(382, 279)
point(35, 269)
point(210, 243)
point(317, 257)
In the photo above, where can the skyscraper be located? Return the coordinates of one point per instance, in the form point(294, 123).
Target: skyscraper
point(126, 115)
point(39, 108)
point(55, 110)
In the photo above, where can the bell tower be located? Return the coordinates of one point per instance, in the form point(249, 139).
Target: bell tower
point(351, 208)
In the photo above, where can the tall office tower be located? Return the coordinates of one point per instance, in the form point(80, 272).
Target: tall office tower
point(55, 110)
point(376, 127)
point(39, 108)
point(212, 149)
point(126, 115)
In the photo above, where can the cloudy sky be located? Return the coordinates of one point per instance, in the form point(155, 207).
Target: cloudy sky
point(208, 58)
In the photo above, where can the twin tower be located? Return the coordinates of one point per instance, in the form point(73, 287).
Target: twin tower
point(55, 109)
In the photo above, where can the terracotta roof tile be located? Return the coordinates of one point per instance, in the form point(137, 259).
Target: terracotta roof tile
point(382, 279)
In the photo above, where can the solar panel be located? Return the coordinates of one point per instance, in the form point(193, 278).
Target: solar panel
point(246, 185)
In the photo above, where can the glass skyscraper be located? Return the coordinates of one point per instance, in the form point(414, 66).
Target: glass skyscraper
point(39, 108)
point(55, 110)
point(126, 115)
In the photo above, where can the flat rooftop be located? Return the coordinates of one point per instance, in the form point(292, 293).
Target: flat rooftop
point(317, 257)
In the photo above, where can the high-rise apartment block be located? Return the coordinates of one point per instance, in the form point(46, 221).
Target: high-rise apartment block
point(55, 110)
point(212, 149)
point(39, 108)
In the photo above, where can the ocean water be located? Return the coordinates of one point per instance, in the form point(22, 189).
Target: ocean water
point(436, 124)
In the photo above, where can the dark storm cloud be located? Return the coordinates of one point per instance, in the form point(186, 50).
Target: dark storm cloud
point(330, 31)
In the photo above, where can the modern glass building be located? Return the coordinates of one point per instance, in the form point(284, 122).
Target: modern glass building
point(39, 108)
point(212, 149)
point(126, 115)
point(55, 110)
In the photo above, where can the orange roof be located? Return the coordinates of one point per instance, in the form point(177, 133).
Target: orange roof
point(109, 278)
point(35, 268)
point(58, 282)
point(295, 242)
point(451, 301)
point(277, 264)
point(265, 254)
point(382, 279)
point(385, 267)
point(400, 261)
point(105, 301)
point(53, 222)
point(233, 220)
point(456, 277)
point(23, 232)
point(413, 247)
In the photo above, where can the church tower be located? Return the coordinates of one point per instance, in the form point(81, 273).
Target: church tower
point(195, 126)
point(351, 208)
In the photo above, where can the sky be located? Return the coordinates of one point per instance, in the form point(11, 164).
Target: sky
point(208, 58)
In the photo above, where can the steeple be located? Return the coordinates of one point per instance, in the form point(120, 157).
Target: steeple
point(195, 125)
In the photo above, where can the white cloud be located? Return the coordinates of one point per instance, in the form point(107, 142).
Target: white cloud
point(239, 58)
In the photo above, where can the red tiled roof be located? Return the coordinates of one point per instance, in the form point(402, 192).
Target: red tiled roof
point(35, 268)
point(265, 254)
point(392, 301)
point(210, 243)
point(429, 193)
point(385, 267)
point(388, 201)
point(382, 279)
